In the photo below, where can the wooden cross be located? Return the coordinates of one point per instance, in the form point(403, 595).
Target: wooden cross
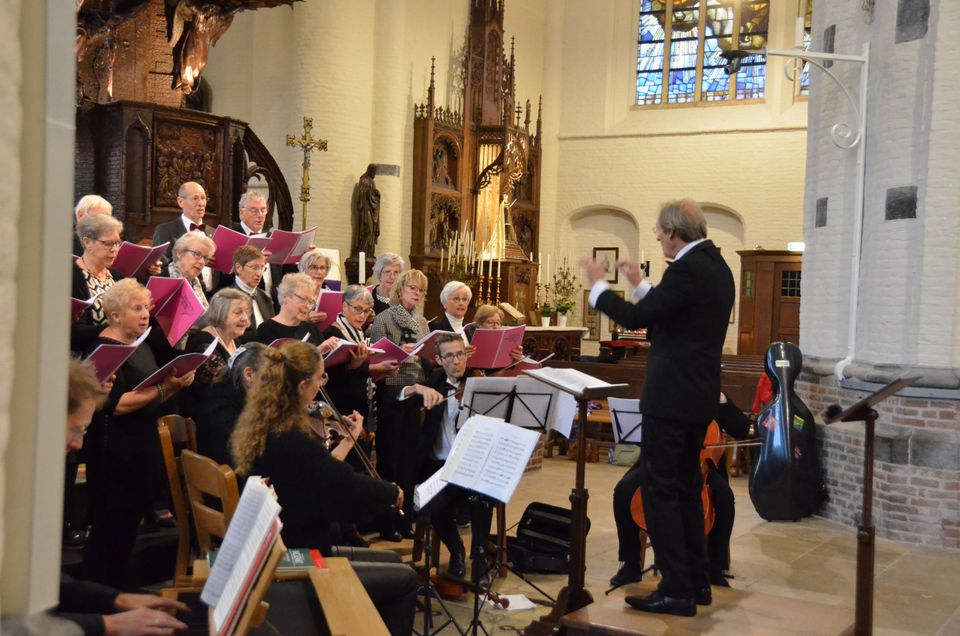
point(309, 144)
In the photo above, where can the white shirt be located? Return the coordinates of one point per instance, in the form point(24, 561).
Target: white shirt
point(643, 288)
point(448, 429)
point(257, 316)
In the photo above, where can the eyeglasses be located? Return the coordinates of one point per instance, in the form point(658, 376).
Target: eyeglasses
point(110, 245)
point(317, 268)
point(415, 289)
point(454, 357)
point(257, 211)
point(459, 299)
point(360, 310)
point(303, 299)
point(255, 268)
point(492, 325)
point(200, 256)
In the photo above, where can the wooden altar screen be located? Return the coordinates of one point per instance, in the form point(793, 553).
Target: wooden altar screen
point(447, 170)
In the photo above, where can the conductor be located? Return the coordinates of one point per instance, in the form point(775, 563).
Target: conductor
point(686, 320)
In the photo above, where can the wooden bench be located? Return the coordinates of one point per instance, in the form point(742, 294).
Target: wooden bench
point(732, 612)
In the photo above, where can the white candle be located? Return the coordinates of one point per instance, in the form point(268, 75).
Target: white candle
point(363, 268)
point(531, 257)
point(441, 258)
point(498, 268)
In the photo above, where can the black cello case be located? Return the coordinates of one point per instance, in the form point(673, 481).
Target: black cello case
point(787, 480)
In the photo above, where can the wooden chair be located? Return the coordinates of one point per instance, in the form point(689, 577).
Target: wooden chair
point(174, 430)
point(206, 479)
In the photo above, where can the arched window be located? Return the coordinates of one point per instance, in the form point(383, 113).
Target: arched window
point(695, 32)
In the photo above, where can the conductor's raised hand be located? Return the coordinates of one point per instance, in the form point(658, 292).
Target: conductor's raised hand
point(631, 270)
point(592, 270)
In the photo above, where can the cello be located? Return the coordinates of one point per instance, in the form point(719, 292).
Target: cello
point(786, 482)
point(710, 456)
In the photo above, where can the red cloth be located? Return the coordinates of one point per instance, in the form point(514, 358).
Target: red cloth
point(764, 393)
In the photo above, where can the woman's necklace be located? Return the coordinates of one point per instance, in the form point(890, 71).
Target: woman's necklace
point(101, 275)
point(230, 346)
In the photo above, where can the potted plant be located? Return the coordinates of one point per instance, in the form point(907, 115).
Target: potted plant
point(565, 287)
point(546, 310)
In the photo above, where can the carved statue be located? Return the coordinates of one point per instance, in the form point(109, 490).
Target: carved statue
point(367, 213)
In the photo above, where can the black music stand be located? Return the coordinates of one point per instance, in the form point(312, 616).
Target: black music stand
point(574, 595)
point(530, 405)
point(429, 590)
point(866, 533)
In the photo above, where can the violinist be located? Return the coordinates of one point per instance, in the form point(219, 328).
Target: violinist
point(273, 439)
point(731, 421)
point(437, 437)
point(686, 317)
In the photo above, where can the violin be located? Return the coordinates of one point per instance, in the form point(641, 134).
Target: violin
point(786, 483)
point(710, 456)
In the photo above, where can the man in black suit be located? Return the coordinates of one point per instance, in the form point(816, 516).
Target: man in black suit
point(686, 318)
point(192, 200)
point(253, 217)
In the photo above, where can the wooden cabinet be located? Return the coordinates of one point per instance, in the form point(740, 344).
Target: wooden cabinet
point(769, 301)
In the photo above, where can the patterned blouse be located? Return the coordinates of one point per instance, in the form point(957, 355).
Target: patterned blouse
point(96, 287)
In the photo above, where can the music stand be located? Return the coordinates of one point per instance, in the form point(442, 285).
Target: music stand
point(627, 420)
point(522, 402)
point(866, 533)
point(429, 590)
point(583, 388)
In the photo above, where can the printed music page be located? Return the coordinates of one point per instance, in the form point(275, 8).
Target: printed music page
point(569, 380)
point(425, 492)
point(489, 456)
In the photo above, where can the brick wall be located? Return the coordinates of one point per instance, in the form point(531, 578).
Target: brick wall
point(916, 464)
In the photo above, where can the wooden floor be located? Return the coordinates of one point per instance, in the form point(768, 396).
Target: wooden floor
point(732, 612)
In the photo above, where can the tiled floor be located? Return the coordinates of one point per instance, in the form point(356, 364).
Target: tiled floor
point(917, 589)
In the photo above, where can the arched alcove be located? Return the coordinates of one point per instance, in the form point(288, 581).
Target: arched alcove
point(596, 226)
point(725, 227)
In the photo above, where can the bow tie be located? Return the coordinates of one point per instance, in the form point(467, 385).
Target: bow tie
point(452, 386)
point(194, 227)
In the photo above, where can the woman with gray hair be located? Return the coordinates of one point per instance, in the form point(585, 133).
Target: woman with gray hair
point(292, 322)
point(225, 320)
point(385, 270)
point(100, 238)
point(316, 265)
point(191, 253)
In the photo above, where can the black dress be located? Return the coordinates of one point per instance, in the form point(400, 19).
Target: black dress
point(121, 454)
point(347, 387)
point(208, 374)
point(270, 330)
point(218, 415)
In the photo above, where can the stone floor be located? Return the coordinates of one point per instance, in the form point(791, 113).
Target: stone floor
point(917, 589)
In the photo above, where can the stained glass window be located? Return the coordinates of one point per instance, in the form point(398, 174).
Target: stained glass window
point(695, 33)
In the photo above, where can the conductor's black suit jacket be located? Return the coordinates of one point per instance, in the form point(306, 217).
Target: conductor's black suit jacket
point(686, 318)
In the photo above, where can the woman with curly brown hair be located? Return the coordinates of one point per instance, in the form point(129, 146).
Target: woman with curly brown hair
point(273, 439)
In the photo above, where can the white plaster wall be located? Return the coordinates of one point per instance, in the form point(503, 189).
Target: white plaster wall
point(908, 281)
point(357, 68)
point(746, 158)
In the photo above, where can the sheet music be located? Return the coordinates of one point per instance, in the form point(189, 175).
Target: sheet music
point(569, 379)
point(425, 492)
point(626, 419)
point(489, 456)
point(255, 511)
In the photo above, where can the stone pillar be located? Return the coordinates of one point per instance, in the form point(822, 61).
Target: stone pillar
point(332, 81)
point(906, 313)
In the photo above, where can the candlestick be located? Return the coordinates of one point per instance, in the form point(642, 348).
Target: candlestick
point(498, 271)
point(441, 258)
point(363, 268)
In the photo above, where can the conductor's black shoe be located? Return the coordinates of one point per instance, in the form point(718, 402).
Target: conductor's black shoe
point(660, 604)
point(458, 566)
point(704, 596)
point(628, 573)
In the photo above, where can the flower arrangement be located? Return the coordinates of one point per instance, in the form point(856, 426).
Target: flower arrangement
point(546, 309)
point(565, 288)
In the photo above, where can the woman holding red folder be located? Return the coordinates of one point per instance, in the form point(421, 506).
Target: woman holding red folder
point(398, 419)
point(121, 444)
